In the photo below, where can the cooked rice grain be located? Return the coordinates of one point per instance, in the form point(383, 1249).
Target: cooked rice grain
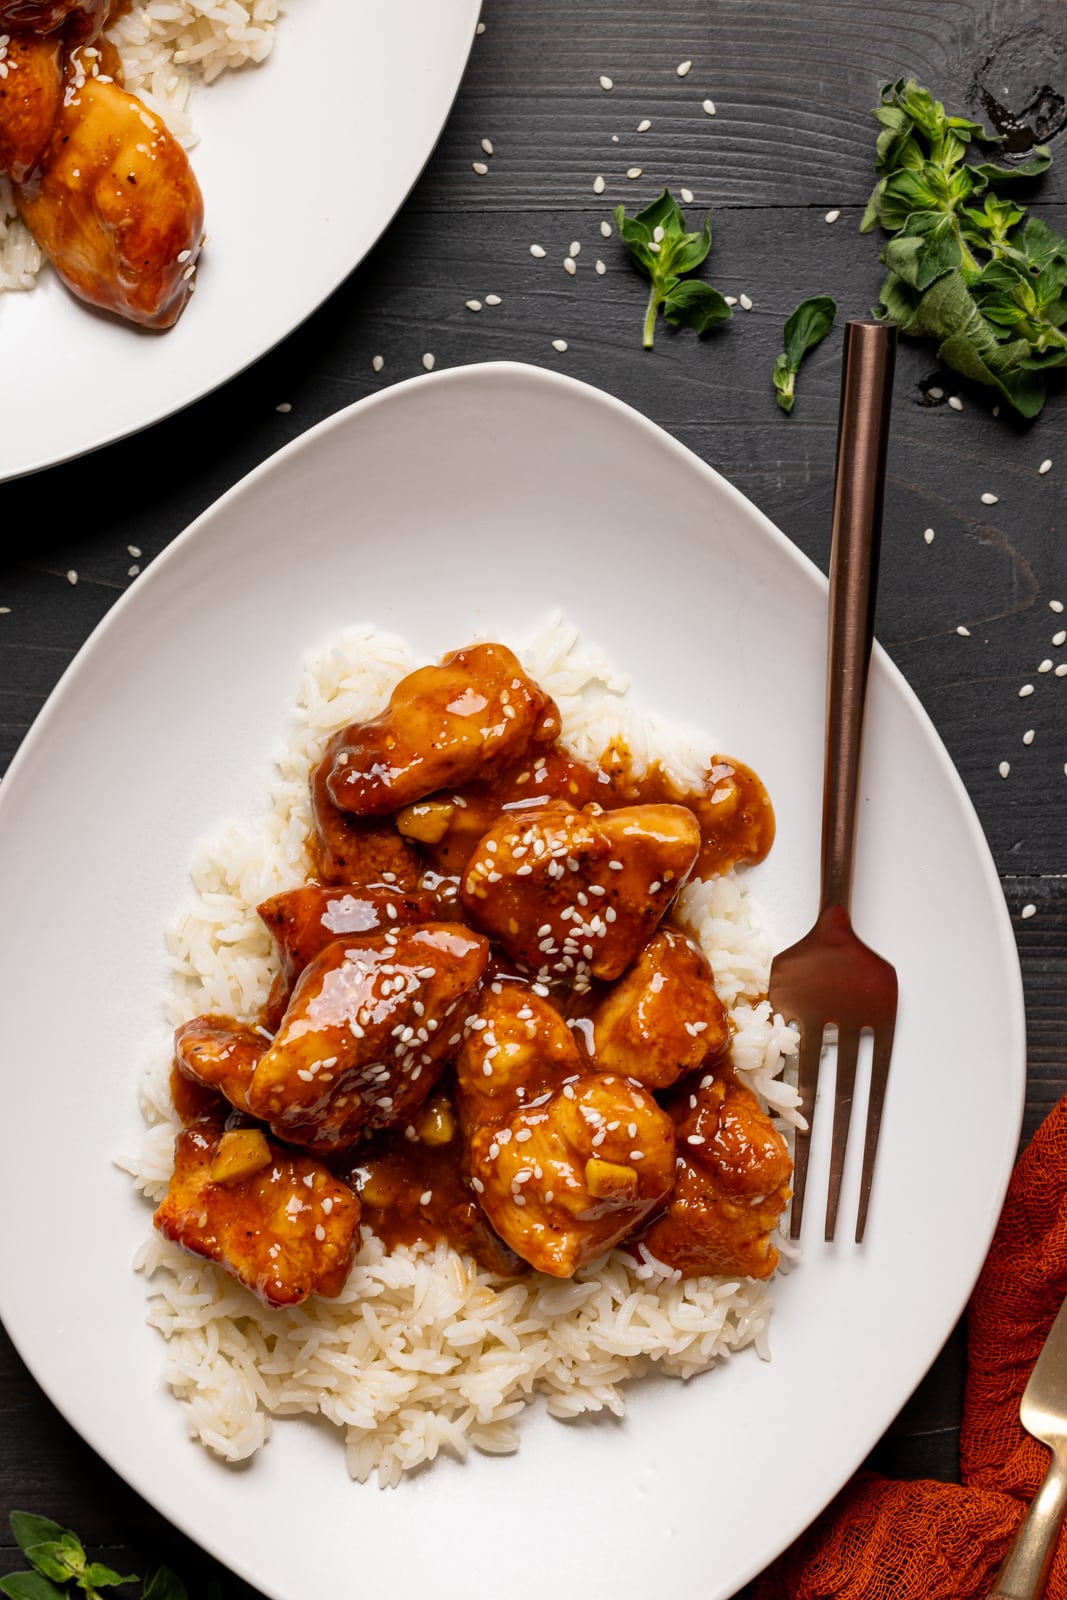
point(424, 1351)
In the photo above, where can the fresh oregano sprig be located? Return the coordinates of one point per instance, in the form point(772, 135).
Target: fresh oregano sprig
point(806, 327)
point(662, 247)
point(966, 265)
point(60, 1569)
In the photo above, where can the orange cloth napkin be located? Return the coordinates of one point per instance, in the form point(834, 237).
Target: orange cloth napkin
point(886, 1540)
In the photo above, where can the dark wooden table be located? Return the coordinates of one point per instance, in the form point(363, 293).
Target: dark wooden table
point(966, 617)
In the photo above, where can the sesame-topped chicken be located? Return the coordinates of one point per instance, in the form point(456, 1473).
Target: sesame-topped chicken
point(572, 894)
point(477, 710)
point(663, 1017)
point(481, 1018)
point(731, 1187)
point(277, 1219)
point(366, 1034)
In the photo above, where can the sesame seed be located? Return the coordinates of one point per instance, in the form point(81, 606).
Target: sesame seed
point(72, 576)
point(934, 393)
point(684, 68)
point(1061, 670)
point(425, 1197)
point(5, 611)
point(695, 1138)
point(990, 499)
point(480, 28)
point(746, 303)
point(1027, 912)
point(687, 196)
point(634, 172)
point(1026, 689)
point(480, 168)
point(606, 82)
point(731, 299)
point(1004, 768)
point(560, 345)
point(576, 248)
point(538, 250)
point(134, 550)
point(487, 146)
point(492, 299)
point(965, 633)
point(1045, 666)
point(831, 216)
point(1046, 466)
point(1028, 736)
point(378, 363)
point(473, 305)
point(605, 230)
point(657, 234)
point(283, 406)
point(955, 402)
point(601, 268)
point(928, 535)
point(709, 108)
point(428, 361)
point(320, 1232)
point(1055, 605)
point(570, 265)
point(644, 125)
point(598, 184)
point(131, 572)
point(1060, 637)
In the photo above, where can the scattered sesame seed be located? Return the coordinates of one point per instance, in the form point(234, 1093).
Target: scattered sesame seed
point(425, 1197)
point(955, 402)
point(709, 108)
point(1044, 666)
point(1026, 689)
point(283, 406)
point(644, 125)
point(731, 299)
point(1004, 768)
point(934, 393)
point(1046, 466)
point(928, 535)
point(538, 250)
point(480, 28)
point(570, 265)
point(964, 633)
point(1055, 605)
point(746, 303)
point(996, 411)
point(1028, 736)
point(480, 168)
point(473, 305)
point(132, 572)
point(134, 550)
point(605, 230)
point(684, 68)
point(614, 138)
point(576, 247)
point(598, 184)
point(687, 196)
point(72, 576)
point(487, 146)
point(601, 268)
point(634, 172)
point(831, 216)
point(5, 611)
point(492, 299)
point(606, 82)
point(560, 345)
point(990, 499)
point(658, 234)
point(378, 363)
point(428, 361)
point(1060, 637)
point(1061, 670)
point(1027, 911)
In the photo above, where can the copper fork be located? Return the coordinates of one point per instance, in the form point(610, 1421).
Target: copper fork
point(831, 978)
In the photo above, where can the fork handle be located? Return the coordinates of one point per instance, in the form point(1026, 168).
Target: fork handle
point(866, 389)
point(1026, 1566)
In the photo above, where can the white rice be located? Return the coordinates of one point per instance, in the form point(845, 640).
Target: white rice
point(166, 46)
point(425, 1351)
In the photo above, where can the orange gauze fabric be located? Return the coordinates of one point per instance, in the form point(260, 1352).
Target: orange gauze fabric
point(884, 1540)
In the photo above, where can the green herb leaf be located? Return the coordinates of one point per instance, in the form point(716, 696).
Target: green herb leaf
point(30, 1586)
point(97, 1576)
point(1039, 161)
point(51, 1558)
point(163, 1584)
point(664, 250)
point(30, 1530)
point(805, 328)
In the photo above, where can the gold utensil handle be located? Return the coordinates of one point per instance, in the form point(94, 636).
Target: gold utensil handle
point(1026, 1566)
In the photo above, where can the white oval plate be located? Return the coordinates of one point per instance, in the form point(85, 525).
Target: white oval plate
point(478, 500)
point(303, 161)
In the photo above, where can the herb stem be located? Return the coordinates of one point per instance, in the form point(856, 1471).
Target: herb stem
point(650, 317)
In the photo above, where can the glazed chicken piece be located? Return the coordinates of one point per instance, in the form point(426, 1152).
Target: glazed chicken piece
point(731, 1187)
point(44, 16)
point(30, 95)
point(304, 921)
point(349, 849)
point(663, 1017)
point(516, 1048)
point(115, 206)
point(735, 815)
point(221, 1054)
point(280, 1222)
point(563, 1180)
point(367, 1032)
point(573, 894)
point(444, 725)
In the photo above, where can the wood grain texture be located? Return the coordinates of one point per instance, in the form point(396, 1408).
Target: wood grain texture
point(792, 138)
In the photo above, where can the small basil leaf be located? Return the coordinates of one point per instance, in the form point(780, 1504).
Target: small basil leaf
point(49, 1558)
point(692, 249)
point(30, 1586)
point(808, 326)
point(1039, 161)
point(662, 213)
point(695, 305)
point(97, 1576)
point(29, 1529)
point(784, 377)
point(927, 249)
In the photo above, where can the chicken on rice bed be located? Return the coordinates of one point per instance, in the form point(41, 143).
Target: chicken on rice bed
point(484, 1028)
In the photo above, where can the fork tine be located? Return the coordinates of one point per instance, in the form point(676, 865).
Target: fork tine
point(848, 1044)
point(883, 1049)
point(807, 1082)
